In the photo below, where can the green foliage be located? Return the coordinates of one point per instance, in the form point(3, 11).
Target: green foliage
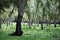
point(33, 9)
point(4, 3)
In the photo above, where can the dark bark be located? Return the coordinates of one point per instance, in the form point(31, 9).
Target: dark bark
point(55, 18)
point(54, 24)
point(59, 8)
point(11, 12)
point(0, 24)
point(29, 17)
point(29, 23)
point(43, 18)
point(42, 26)
point(21, 7)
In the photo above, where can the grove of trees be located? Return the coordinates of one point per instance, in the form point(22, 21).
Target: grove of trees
point(29, 11)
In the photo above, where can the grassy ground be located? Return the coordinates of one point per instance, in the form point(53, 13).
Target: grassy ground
point(49, 33)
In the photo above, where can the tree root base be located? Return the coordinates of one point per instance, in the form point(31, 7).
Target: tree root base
point(17, 33)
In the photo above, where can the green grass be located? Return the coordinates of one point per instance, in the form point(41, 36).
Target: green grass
point(49, 33)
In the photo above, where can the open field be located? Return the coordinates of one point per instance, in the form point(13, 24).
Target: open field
point(49, 33)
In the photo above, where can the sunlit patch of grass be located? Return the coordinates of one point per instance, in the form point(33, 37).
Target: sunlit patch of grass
point(49, 32)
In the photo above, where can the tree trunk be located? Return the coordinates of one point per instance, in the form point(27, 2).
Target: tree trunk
point(29, 17)
point(54, 24)
point(59, 10)
point(43, 18)
point(0, 23)
point(59, 7)
point(29, 21)
point(42, 26)
point(21, 7)
point(55, 18)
